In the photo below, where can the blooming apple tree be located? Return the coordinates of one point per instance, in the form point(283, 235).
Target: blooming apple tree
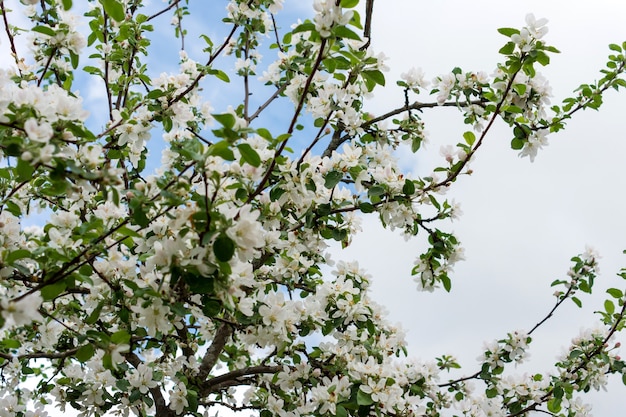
point(204, 285)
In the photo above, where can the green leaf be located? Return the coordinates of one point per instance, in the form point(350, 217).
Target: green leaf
point(520, 89)
point(366, 208)
point(249, 155)
point(513, 109)
point(121, 337)
point(44, 30)
point(125, 231)
point(224, 248)
point(554, 405)
point(135, 395)
point(349, 4)
point(332, 178)
point(520, 132)
point(307, 26)
point(11, 344)
point(67, 4)
point(345, 33)
point(265, 134)
point(375, 76)
point(577, 302)
point(49, 292)
point(85, 353)
point(615, 47)
point(517, 143)
point(95, 314)
point(222, 149)
point(220, 75)
point(469, 137)
point(447, 283)
point(17, 254)
point(199, 284)
point(543, 58)
point(508, 31)
point(609, 307)
point(507, 49)
point(227, 120)
point(107, 362)
point(409, 187)
point(115, 9)
point(363, 398)
point(211, 307)
point(139, 216)
point(376, 191)
point(616, 293)
point(25, 170)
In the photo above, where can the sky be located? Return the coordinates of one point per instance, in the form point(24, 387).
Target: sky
point(521, 221)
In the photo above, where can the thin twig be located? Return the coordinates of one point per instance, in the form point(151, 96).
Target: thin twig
point(292, 125)
point(170, 7)
point(7, 29)
point(367, 31)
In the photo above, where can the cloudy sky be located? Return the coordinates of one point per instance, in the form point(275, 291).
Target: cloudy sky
point(522, 221)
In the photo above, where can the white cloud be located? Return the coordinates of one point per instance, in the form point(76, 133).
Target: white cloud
point(522, 222)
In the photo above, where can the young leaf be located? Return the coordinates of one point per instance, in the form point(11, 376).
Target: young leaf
point(508, 31)
point(345, 33)
point(115, 9)
point(249, 155)
point(332, 178)
point(85, 352)
point(49, 292)
point(349, 4)
point(44, 30)
point(469, 137)
point(227, 120)
point(224, 248)
point(375, 76)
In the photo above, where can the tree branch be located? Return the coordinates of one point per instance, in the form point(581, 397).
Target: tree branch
point(232, 378)
point(337, 140)
point(213, 352)
point(162, 410)
point(367, 31)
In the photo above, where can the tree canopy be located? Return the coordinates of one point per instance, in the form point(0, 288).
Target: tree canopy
point(203, 282)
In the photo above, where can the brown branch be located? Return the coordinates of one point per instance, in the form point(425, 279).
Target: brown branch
point(549, 315)
point(179, 25)
point(212, 58)
point(580, 366)
point(246, 79)
point(11, 39)
point(338, 140)
point(454, 174)
point(45, 69)
point(162, 410)
point(75, 263)
point(212, 354)
point(583, 105)
point(170, 7)
point(367, 31)
point(292, 125)
point(267, 102)
point(280, 47)
point(233, 378)
point(456, 381)
point(41, 355)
